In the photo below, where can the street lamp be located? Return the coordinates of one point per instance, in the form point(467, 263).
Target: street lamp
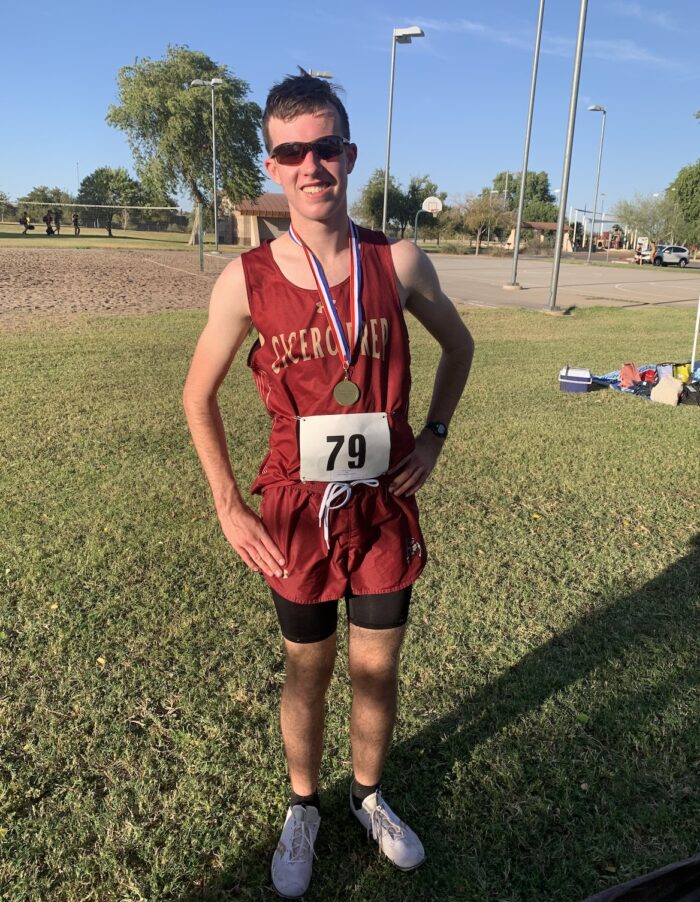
point(213, 83)
point(597, 109)
point(399, 36)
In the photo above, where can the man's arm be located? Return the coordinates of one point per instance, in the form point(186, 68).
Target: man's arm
point(226, 328)
point(420, 292)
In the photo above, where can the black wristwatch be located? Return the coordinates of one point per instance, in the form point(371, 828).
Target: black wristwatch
point(437, 428)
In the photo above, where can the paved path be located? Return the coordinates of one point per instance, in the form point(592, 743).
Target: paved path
point(478, 281)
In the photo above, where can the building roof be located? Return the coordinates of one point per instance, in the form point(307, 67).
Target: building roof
point(270, 203)
point(542, 226)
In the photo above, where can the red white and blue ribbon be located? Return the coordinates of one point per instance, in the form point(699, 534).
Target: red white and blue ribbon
point(346, 345)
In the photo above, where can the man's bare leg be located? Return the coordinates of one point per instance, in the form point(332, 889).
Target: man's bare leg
point(374, 671)
point(302, 712)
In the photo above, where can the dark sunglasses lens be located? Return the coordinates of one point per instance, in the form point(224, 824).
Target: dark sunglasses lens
point(328, 148)
point(293, 153)
point(290, 154)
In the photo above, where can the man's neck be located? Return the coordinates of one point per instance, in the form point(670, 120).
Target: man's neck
point(326, 239)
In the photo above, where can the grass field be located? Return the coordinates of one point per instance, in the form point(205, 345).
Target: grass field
point(548, 742)
point(123, 239)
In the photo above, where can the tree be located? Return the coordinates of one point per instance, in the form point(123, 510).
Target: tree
point(485, 212)
point(42, 195)
point(537, 194)
point(655, 217)
point(109, 186)
point(368, 208)
point(421, 187)
point(5, 206)
point(169, 126)
point(686, 195)
point(402, 206)
point(540, 211)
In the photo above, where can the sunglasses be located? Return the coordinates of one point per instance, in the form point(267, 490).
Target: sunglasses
point(294, 152)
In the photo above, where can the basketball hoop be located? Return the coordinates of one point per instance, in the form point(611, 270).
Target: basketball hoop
point(432, 205)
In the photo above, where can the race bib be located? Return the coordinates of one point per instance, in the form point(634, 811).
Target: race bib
point(343, 447)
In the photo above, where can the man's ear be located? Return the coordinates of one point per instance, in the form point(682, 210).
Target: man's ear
point(271, 169)
point(351, 156)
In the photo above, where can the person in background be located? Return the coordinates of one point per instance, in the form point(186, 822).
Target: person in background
point(26, 222)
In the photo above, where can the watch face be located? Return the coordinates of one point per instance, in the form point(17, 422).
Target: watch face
point(438, 428)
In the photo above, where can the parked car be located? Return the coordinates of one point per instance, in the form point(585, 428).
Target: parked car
point(671, 255)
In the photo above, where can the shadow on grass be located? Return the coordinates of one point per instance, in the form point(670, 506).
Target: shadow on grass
point(633, 624)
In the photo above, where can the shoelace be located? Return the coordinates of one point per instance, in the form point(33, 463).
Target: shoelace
point(301, 842)
point(337, 495)
point(380, 822)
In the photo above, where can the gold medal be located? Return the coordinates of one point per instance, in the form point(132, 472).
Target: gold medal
point(346, 393)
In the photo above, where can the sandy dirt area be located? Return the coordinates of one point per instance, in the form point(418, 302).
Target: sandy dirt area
point(35, 282)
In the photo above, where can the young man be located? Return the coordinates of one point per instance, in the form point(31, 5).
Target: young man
point(338, 517)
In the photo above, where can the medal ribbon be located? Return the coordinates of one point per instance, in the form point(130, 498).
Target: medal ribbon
point(346, 346)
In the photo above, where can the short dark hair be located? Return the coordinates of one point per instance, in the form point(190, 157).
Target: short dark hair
point(299, 94)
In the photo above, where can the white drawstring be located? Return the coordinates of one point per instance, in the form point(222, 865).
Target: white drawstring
point(337, 495)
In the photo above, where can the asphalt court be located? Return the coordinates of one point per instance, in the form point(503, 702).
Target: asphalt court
point(478, 282)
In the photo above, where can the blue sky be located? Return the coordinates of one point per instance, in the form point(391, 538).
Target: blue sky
point(461, 92)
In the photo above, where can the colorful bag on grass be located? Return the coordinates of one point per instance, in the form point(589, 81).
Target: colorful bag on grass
point(690, 394)
point(682, 371)
point(648, 375)
point(629, 376)
point(664, 369)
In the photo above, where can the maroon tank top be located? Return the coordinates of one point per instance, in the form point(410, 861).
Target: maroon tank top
point(296, 364)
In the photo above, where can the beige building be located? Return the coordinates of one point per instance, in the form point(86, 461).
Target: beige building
point(251, 222)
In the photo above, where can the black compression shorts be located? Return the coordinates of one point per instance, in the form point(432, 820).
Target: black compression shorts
point(314, 622)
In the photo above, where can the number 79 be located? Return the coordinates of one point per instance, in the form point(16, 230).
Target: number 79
point(357, 450)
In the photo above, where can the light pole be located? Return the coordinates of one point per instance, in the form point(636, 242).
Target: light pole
point(213, 83)
point(488, 237)
point(583, 11)
point(597, 109)
point(399, 36)
point(528, 131)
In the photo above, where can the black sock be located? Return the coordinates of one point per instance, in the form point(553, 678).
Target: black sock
point(360, 793)
point(311, 799)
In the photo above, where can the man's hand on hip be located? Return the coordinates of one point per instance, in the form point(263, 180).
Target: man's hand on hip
point(247, 535)
point(411, 473)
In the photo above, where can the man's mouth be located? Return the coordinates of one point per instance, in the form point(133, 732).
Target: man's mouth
point(314, 189)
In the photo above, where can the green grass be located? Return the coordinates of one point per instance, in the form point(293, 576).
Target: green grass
point(548, 739)
point(11, 236)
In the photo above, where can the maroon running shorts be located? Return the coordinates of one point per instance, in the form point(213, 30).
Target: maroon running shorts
point(376, 544)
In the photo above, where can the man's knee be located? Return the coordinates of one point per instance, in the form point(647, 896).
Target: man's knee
point(309, 666)
point(374, 659)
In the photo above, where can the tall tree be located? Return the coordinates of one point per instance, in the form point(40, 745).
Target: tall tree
point(537, 189)
point(685, 189)
point(654, 217)
point(42, 195)
point(109, 186)
point(368, 208)
point(168, 125)
point(483, 213)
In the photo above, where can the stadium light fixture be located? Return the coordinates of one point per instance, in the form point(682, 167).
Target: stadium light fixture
point(315, 73)
point(213, 84)
point(399, 36)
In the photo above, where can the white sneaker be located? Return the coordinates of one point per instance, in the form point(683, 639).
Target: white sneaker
point(293, 858)
point(395, 839)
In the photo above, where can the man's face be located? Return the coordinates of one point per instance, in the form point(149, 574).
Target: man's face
point(316, 189)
